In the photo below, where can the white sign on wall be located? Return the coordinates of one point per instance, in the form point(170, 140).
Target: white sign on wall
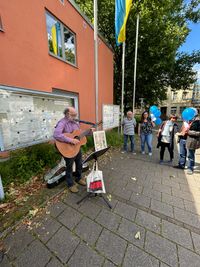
point(27, 118)
point(111, 115)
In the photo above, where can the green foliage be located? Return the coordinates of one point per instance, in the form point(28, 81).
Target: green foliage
point(163, 28)
point(181, 69)
point(26, 163)
point(89, 145)
point(113, 138)
point(31, 161)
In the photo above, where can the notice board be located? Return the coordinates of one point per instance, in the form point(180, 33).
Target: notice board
point(26, 119)
point(110, 115)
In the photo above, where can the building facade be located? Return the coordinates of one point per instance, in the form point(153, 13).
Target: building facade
point(177, 101)
point(196, 96)
point(47, 63)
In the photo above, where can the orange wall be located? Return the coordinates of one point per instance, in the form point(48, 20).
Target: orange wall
point(26, 63)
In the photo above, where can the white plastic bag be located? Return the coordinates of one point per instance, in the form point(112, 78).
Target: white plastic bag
point(95, 183)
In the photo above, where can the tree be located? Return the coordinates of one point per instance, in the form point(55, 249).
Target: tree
point(182, 71)
point(163, 29)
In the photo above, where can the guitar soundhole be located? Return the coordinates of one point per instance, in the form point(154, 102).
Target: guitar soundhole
point(77, 137)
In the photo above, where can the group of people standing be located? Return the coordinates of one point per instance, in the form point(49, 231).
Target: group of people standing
point(144, 131)
point(188, 138)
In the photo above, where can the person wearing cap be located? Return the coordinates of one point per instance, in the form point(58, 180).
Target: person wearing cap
point(166, 136)
point(129, 124)
point(68, 124)
point(193, 143)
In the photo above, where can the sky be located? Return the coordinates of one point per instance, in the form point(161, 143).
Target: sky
point(193, 39)
point(192, 42)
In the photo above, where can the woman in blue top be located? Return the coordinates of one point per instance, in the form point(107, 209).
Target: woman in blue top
point(145, 132)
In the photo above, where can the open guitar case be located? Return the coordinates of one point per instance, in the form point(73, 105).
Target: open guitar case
point(56, 175)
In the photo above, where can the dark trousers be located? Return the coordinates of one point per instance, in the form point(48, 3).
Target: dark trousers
point(162, 150)
point(131, 137)
point(191, 159)
point(69, 170)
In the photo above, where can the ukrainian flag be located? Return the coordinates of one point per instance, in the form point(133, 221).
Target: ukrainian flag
point(122, 9)
point(54, 39)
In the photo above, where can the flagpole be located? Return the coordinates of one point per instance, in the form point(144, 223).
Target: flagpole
point(122, 97)
point(135, 64)
point(96, 60)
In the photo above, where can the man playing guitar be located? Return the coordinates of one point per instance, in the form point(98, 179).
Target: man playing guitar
point(68, 125)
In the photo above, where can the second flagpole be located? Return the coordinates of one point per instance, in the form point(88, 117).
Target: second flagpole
point(135, 61)
point(123, 71)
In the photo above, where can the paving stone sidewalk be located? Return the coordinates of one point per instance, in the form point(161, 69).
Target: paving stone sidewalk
point(160, 202)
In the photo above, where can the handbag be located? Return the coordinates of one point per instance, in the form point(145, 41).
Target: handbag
point(95, 183)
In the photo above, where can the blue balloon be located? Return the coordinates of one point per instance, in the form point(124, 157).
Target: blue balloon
point(158, 121)
point(153, 109)
point(157, 113)
point(195, 110)
point(188, 114)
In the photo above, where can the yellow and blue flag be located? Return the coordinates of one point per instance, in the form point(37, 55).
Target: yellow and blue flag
point(122, 9)
point(54, 39)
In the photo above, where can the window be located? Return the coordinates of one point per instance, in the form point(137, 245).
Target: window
point(173, 110)
point(69, 45)
point(184, 95)
point(1, 25)
point(61, 41)
point(174, 96)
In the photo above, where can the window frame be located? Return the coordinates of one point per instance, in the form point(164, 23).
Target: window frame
point(1, 25)
point(62, 26)
point(174, 96)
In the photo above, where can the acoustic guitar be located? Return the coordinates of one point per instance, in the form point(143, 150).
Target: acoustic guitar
point(68, 150)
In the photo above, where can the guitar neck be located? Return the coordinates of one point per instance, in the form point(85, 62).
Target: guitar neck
point(84, 133)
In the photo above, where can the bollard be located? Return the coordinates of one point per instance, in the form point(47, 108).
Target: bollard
point(1, 190)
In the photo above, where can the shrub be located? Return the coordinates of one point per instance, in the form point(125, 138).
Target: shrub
point(28, 162)
point(31, 161)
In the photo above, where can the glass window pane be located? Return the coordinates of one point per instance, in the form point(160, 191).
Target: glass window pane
point(54, 35)
point(173, 110)
point(69, 45)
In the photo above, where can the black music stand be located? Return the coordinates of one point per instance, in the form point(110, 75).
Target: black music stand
point(94, 156)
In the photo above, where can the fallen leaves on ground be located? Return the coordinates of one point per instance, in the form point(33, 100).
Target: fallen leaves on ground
point(109, 197)
point(134, 178)
point(18, 195)
point(32, 213)
point(137, 235)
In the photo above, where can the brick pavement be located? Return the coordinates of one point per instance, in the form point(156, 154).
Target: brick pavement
point(160, 202)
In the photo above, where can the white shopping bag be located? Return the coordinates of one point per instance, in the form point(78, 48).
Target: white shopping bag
point(95, 183)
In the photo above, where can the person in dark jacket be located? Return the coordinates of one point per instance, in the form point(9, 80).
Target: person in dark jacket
point(166, 137)
point(193, 143)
